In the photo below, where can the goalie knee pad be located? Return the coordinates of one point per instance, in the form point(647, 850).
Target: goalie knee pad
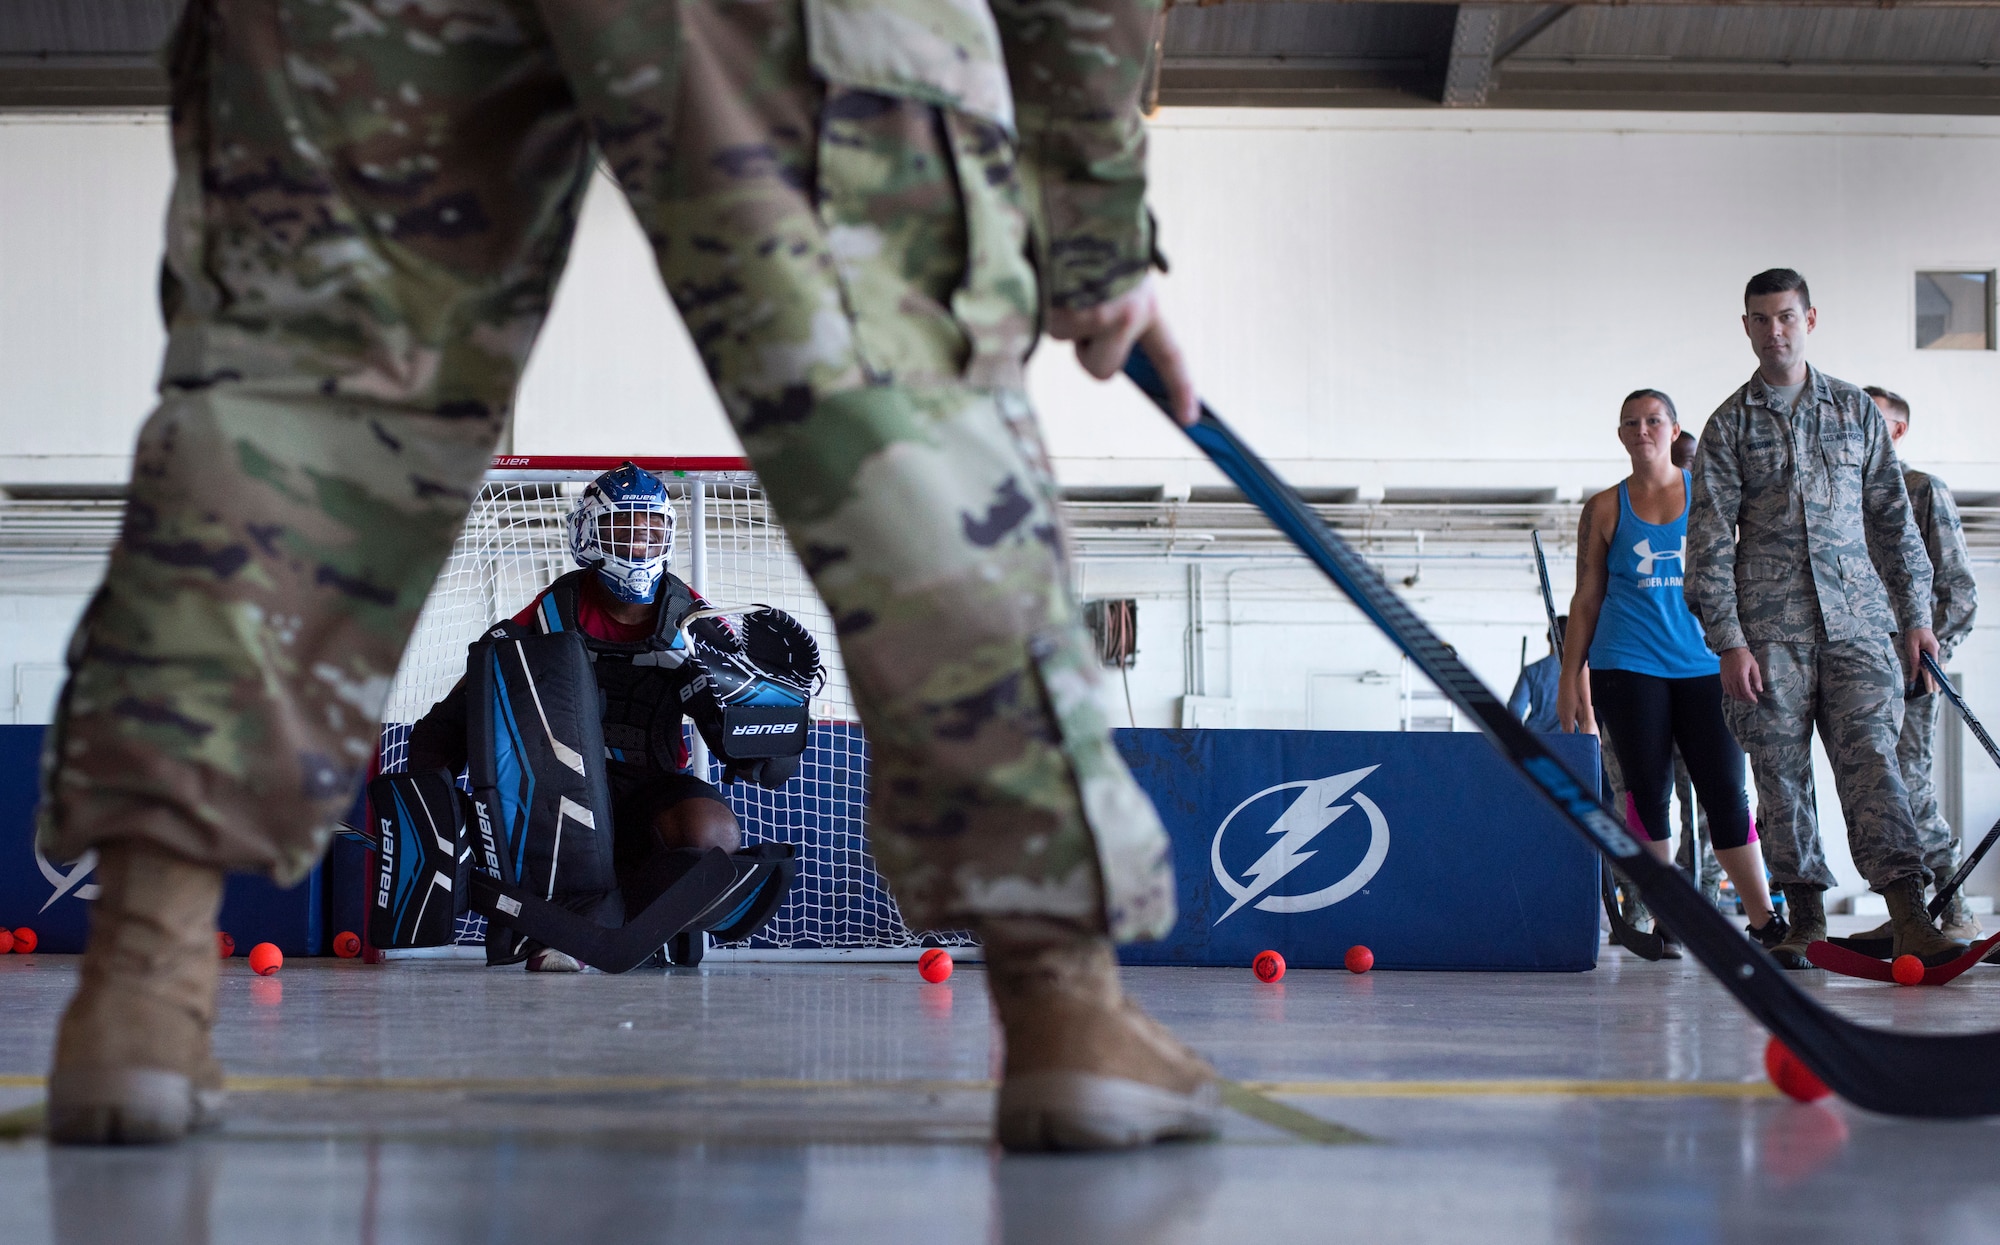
point(541, 803)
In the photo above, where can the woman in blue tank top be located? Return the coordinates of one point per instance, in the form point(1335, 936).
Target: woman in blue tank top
point(1635, 663)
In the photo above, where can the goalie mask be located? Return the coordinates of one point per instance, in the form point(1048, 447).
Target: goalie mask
point(623, 528)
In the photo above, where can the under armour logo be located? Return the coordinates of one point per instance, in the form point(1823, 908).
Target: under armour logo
point(1647, 557)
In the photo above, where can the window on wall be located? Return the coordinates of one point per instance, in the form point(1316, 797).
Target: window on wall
point(1955, 311)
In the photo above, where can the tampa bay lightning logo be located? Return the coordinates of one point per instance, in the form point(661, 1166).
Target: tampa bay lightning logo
point(70, 881)
point(1317, 806)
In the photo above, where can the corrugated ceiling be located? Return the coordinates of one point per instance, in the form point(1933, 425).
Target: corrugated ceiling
point(96, 53)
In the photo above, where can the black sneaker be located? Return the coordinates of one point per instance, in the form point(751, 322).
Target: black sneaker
point(1774, 932)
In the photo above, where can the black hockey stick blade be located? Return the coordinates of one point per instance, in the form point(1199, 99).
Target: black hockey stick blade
point(1909, 1074)
point(609, 950)
point(1647, 946)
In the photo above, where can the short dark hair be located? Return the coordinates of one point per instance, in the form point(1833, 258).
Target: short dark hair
point(1665, 401)
point(1778, 281)
point(1562, 629)
point(1684, 447)
point(1895, 400)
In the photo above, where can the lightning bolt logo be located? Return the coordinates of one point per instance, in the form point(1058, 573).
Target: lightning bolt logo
point(71, 881)
point(1317, 806)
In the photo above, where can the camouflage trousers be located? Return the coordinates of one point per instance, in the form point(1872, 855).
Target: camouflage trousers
point(372, 205)
point(1852, 692)
point(1916, 754)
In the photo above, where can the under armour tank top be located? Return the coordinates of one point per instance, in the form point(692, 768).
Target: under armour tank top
point(1645, 625)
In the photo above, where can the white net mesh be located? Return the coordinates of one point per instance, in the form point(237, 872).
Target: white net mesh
point(732, 550)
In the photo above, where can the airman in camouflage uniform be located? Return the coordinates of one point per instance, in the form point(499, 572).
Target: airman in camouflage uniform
point(1954, 599)
point(373, 203)
point(1803, 561)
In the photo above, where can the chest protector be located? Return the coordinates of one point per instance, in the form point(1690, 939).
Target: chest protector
point(640, 681)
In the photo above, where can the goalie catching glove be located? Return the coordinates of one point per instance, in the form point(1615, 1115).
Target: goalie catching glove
point(752, 697)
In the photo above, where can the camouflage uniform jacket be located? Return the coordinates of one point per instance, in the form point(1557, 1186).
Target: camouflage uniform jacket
point(1072, 75)
point(1800, 529)
point(1954, 593)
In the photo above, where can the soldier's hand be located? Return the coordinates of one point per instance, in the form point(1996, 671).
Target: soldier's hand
point(1916, 642)
point(1741, 679)
point(1105, 334)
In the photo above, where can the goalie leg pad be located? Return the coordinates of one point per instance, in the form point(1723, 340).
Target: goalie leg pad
point(420, 854)
point(535, 751)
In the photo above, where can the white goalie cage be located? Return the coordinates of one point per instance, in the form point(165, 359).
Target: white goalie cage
point(730, 549)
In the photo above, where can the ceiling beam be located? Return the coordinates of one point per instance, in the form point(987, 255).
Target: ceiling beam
point(1527, 32)
point(1468, 74)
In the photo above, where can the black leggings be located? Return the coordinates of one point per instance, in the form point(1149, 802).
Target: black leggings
point(1647, 718)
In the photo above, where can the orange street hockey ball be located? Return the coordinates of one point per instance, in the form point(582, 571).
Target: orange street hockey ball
point(934, 965)
point(1359, 959)
point(225, 946)
point(1908, 970)
point(347, 944)
point(24, 941)
point(1269, 966)
point(265, 959)
point(1793, 1079)
point(6, 940)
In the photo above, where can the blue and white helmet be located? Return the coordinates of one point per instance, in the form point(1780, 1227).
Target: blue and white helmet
point(623, 527)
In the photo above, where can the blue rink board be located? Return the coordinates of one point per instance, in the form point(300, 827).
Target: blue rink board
point(1472, 869)
point(43, 895)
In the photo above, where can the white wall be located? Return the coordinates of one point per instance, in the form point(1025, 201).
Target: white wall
point(1376, 298)
point(82, 207)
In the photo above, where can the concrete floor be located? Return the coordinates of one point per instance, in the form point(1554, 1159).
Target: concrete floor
point(756, 1102)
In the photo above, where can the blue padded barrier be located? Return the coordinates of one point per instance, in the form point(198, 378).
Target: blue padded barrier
point(1425, 847)
point(43, 894)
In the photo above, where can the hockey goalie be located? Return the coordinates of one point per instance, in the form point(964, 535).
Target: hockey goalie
point(569, 722)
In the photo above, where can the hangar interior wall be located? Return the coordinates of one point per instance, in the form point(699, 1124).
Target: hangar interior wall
point(1382, 301)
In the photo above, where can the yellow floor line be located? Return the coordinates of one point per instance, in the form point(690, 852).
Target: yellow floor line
point(654, 1084)
point(1519, 1089)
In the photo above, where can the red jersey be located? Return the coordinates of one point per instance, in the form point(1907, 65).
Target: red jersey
point(593, 615)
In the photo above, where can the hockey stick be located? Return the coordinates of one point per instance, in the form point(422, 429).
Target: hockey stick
point(713, 878)
point(1838, 959)
point(1972, 724)
point(1647, 946)
point(1880, 948)
point(1910, 1074)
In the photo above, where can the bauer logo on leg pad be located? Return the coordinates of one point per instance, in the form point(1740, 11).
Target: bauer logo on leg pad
point(422, 822)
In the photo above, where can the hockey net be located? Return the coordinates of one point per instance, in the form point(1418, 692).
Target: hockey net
point(730, 548)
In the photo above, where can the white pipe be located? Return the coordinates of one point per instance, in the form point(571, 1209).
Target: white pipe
point(698, 580)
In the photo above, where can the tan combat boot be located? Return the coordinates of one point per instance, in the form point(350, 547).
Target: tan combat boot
point(1806, 906)
point(1085, 1068)
point(1957, 920)
point(132, 1062)
point(1910, 920)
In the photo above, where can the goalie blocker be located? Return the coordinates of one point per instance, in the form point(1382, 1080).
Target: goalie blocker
point(537, 828)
